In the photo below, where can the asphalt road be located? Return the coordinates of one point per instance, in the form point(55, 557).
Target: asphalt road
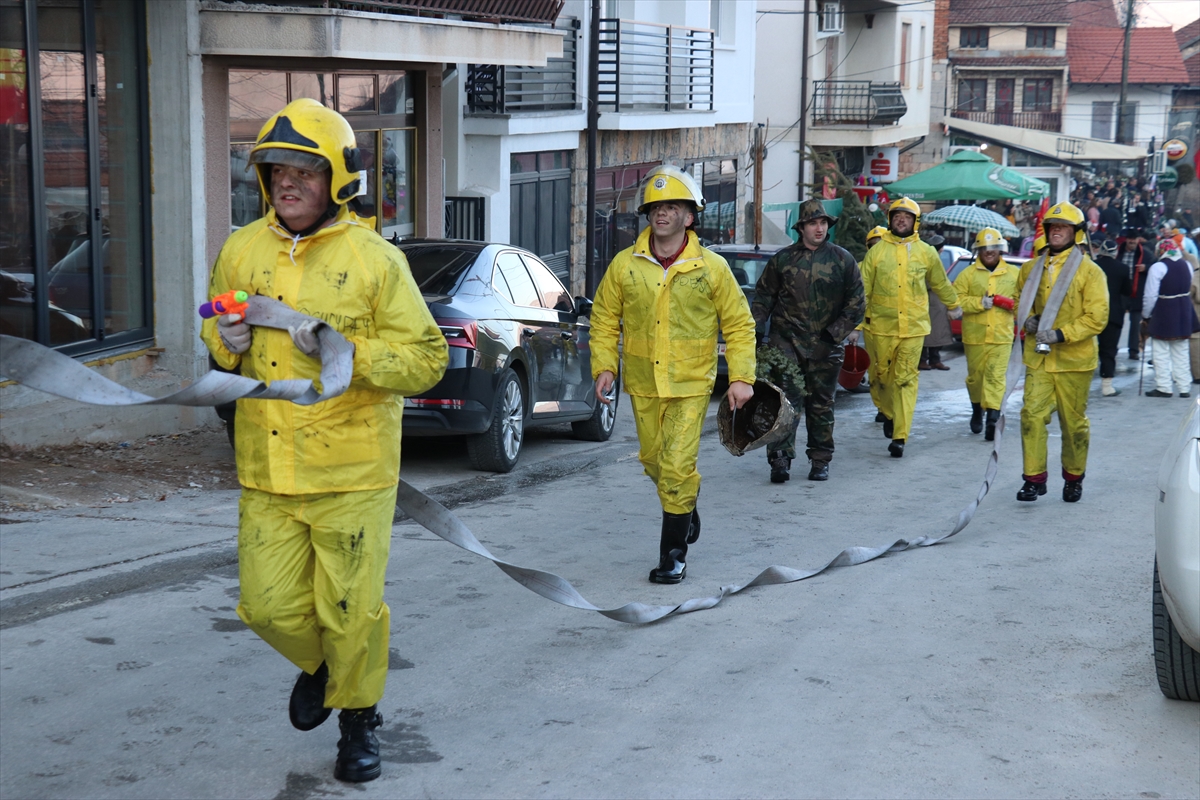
point(1011, 661)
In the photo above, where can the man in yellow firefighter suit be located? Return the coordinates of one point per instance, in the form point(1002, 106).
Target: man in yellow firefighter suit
point(319, 482)
point(1060, 355)
point(986, 289)
point(670, 296)
point(898, 274)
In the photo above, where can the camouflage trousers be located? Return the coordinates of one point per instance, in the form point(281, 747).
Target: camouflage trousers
point(815, 400)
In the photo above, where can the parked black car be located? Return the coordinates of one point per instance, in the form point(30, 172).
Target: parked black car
point(747, 264)
point(519, 351)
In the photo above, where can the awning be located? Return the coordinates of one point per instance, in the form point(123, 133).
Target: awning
point(1074, 151)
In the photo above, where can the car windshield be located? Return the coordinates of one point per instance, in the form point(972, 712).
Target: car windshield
point(438, 269)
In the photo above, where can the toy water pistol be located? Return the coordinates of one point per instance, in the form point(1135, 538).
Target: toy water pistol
point(229, 303)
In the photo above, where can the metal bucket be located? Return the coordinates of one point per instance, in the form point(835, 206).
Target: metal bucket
point(854, 366)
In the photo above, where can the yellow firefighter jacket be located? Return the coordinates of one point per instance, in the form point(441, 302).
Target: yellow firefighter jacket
point(1083, 314)
point(670, 320)
point(986, 325)
point(350, 277)
point(897, 275)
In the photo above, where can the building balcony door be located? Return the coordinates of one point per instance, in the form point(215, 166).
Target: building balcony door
point(1005, 103)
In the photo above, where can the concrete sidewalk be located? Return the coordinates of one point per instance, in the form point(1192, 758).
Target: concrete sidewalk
point(1014, 660)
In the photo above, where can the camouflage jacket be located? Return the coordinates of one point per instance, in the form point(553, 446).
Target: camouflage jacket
point(814, 298)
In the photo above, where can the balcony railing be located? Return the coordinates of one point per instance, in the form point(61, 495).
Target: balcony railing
point(1035, 120)
point(544, 11)
point(645, 66)
point(857, 103)
point(497, 89)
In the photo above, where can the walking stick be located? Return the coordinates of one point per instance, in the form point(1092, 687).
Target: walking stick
point(1142, 358)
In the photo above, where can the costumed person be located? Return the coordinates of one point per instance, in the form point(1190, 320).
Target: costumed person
point(986, 289)
point(670, 296)
point(1120, 287)
point(897, 275)
point(319, 482)
point(1136, 257)
point(940, 334)
point(812, 294)
point(1060, 352)
point(1169, 320)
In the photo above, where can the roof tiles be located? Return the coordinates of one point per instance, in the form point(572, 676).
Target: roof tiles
point(1095, 56)
point(1009, 12)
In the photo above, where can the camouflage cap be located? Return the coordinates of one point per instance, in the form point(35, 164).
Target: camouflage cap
point(813, 209)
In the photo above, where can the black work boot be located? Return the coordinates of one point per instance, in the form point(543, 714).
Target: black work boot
point(307, 707)
point(358, 749)
point(1031, 491)
point(896, 448)
point(976, 418)
point(672, 549)
point(888, 428)
point(780, 467)
point(879, 417)
point(694, 529)
point(993, 416)
point(819, 471)
point(1073, 490)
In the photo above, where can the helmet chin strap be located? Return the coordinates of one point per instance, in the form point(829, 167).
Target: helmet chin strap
point(330, 212)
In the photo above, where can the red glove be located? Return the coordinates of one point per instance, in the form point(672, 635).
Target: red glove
point(1000, 301)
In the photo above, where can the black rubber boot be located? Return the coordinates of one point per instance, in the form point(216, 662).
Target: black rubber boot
point(694, 530)
point(976, 418)
point(1031, 491)
point(358, 749)
point(879, 417)
point(896, 448)
point(1072, 491)
point(888, 428)
point(780, 467)
point(672, 549)
point(307, 707)
point(993, 416)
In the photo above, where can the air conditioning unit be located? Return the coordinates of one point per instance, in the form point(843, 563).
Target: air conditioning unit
point(1158, 163)
point(831, 19)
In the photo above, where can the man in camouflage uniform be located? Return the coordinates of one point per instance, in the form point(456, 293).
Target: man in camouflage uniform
point(813, 294)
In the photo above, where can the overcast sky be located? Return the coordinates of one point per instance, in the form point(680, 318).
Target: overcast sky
point(1160, 13)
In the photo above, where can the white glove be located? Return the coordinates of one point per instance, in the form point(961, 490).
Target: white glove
point(1031, 324)
point(986, 303)
point(1051, 336)
point(955, 313)
point(305, 337)
point(234, 333)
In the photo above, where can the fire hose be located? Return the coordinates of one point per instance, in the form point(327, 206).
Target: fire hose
point(41, 368)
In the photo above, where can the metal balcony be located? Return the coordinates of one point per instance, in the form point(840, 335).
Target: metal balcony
point(1034, 120)
point(497, 89)
point(645, 66)
point(544, 11)
point(857, 103)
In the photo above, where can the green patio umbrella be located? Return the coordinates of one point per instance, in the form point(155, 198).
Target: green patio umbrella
point(968, 175)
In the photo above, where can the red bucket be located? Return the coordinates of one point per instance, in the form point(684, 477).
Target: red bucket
point(853, 367)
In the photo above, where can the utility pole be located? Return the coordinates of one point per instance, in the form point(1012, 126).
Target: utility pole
point(758, 179)
point(803, 98)
point(1121, 137)
point(591, 278)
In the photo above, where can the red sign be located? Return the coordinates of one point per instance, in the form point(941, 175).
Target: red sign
point(1175, 149)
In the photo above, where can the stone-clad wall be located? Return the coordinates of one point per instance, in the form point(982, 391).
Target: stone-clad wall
point(676, 145)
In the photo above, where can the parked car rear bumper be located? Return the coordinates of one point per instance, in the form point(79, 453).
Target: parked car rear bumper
point(460, 403)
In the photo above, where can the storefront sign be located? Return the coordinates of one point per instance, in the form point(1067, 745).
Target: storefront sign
point(882, 163)
point(1175, 149)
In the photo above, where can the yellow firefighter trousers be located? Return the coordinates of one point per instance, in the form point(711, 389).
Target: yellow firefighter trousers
point(1044, 392)
point(668, 431)
point(312, 569)
point(893, 375)
point(987, 368)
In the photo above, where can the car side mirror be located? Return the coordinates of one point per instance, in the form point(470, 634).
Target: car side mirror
point(583, 307)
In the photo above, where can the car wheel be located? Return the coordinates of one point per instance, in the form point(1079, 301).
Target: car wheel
point(598, 427)
point(497, 448)
point(1177, 663)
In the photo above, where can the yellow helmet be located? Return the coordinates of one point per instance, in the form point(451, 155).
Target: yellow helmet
point(877, 232)
point(670, 183)
point(307, 135)
point(1039, 244)
point(905, 204)
point(990, 239)
point(1067, 214)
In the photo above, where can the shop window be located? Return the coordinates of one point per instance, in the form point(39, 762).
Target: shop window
point(73, 251)
point(379, 106)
